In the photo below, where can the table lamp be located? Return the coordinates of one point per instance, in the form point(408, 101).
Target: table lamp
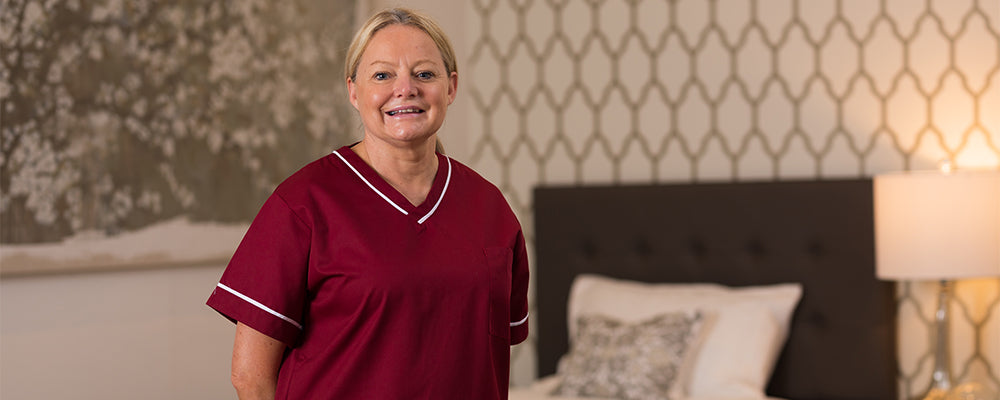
point(937, 226)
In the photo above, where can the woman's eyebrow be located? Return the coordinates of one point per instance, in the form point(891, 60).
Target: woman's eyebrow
point(392, 64)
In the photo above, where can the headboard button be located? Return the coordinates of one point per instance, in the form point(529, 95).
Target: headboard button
point(756, 249)
point(588, 250)
point(643, 249)
point(815, 249)
point(697, 248)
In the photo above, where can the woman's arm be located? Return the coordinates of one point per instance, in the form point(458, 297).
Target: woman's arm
point(256, 359)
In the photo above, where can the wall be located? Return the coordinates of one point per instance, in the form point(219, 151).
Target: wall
point(114, 335)
point(732, 90)
point(585, 64)
point(123, 115)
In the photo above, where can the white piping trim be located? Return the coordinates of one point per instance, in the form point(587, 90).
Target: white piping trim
point(370, 184)
point(521, 322)
point(260, 306)
point(443, 191)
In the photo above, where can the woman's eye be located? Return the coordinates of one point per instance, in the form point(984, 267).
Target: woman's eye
point(381, 76)
point(425, 75)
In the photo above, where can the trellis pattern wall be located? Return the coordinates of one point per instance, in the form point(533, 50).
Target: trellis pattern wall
point(597, 91)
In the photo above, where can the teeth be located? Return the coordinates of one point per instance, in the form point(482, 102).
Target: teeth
point(404, 111)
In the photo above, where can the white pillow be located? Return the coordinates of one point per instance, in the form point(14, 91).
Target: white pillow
point(745, 329)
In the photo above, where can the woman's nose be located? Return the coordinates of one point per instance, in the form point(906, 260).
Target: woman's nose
point(405, 87)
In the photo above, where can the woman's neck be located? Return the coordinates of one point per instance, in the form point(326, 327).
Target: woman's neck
point(410, 170)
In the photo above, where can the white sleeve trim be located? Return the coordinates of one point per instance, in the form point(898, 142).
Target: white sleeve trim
point(259, 305)
point(521, 322)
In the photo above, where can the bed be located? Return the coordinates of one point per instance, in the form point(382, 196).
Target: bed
point(838, 340)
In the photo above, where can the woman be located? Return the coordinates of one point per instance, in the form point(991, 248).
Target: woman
point(384, 270)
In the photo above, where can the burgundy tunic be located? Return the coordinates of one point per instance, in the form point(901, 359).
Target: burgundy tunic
point(377, 298)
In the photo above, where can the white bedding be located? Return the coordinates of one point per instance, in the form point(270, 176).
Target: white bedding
point(540, 389)
point(731, 359)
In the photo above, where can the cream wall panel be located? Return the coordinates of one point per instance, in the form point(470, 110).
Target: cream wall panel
point(114, 335)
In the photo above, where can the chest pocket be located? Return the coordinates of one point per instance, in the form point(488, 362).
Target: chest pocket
point(498, 264)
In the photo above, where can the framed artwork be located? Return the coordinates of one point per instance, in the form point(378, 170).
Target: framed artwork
point(148, 133)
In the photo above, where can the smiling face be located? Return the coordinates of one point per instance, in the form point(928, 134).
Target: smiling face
point(402, 89)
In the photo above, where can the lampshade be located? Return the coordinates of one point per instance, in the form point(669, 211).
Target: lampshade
point(933, 225)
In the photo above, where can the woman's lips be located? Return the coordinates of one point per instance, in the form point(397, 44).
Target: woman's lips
point(404, 110)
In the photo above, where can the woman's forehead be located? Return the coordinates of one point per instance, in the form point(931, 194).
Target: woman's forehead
point(397, 41)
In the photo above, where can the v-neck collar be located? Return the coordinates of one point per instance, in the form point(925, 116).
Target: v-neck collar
point(393, 197)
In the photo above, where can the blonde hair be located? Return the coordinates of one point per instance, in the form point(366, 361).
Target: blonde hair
point(398, 16)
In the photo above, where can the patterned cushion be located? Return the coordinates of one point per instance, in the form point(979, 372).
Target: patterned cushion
point(638, 361)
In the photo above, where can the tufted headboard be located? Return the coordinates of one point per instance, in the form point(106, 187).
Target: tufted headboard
point(820, 233)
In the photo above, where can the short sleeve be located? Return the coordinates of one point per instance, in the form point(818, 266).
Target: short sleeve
point(265, 284)
point(519, 293)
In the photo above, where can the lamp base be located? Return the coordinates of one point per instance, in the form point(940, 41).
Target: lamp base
point(941, 387)
point(965, 391)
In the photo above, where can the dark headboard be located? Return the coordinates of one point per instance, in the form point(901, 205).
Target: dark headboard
point(820, 233)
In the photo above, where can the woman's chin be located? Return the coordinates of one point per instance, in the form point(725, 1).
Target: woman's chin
point(408, 138)
point(411, 133)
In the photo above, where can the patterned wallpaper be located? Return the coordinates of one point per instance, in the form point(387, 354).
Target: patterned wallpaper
point(118, 114)
point(601, 91)
point(220, 100)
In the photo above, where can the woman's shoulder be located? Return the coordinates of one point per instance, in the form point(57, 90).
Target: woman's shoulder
point(318, 173)
point(479, 189)
point(472, 178)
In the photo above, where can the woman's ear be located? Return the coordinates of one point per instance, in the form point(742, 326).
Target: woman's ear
point(452, 86)
point(352, 93)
